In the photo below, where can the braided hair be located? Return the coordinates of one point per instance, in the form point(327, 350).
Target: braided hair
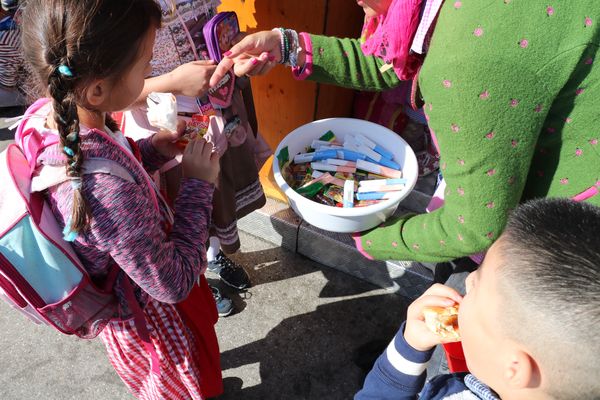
point(70, 44)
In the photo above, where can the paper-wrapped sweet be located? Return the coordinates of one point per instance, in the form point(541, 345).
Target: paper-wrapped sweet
point(162, 111)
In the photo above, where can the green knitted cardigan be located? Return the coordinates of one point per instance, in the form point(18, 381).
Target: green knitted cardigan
point(511, 91)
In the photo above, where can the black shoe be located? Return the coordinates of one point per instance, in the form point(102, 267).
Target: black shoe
point(230, 273)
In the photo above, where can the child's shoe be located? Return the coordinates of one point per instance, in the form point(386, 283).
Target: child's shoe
point(230, 273)
point(224, 305)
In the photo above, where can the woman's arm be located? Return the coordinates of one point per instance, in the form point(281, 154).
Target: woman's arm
point(486, 117)
point(335, 61)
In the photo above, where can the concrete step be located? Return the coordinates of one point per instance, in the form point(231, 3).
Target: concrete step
point(279, 224)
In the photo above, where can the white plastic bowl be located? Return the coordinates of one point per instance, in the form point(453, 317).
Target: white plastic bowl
point(356, 219)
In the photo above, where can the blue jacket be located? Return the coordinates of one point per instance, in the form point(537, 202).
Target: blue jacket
point(399, 374)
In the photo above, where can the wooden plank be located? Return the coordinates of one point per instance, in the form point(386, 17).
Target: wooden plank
point(344, 19)
point(282, 103)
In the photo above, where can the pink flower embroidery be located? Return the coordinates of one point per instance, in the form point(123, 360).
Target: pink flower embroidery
point(578, 152)
point(514, 143)
point(490, 135)
point(588, 21)
point(369, 243)
point(394, 244)
point(538, 108)
point(447, 83)
point(460, 237)
point(484, 95)
point(568, 120)
point(416, 246)
point(593, 142)
point(461, 219)
point(514, 102)
point(490, 235)
point(524, 43)
point(550, 10)
point(461, 162)
point(491, 172)
point(579, 91)
point(455, 128)
point(490, 204)
point(461, 191)
point(457, 4)
point(478, 32)
point(564, 181)
point(321, 51)
point(589, 61)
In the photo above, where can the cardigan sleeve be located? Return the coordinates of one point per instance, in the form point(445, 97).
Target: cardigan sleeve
point(486, 110)
point(341, 62)
point(126, 225)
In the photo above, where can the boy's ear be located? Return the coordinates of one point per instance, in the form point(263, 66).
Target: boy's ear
point(96, 93)
point(521, 371)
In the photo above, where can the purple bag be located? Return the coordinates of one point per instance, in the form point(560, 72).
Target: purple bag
point(219, 33)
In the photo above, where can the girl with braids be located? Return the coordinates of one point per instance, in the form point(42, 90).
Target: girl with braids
point(91, 57)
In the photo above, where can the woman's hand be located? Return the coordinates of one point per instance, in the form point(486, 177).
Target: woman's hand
point(165, 142)
point(416, 333)
point(200, 162)
point(192, 79)
point(255, 54)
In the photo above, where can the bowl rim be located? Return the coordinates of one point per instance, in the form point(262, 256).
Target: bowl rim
point(340, 211)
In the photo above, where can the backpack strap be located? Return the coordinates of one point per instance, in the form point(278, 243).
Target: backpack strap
point(50, 175)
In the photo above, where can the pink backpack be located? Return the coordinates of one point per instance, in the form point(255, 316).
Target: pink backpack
point(40, 274)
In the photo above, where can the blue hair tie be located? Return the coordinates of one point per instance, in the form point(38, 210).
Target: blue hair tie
point(68, 151)
point(68, 234)
point(76, 183)
point(65, 71)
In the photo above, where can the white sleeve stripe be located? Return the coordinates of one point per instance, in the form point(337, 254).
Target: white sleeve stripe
point(402, 364)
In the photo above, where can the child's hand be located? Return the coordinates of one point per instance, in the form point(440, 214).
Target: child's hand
point(165, 142)
point(416, 332)
point(192, 79)
point(200, 162)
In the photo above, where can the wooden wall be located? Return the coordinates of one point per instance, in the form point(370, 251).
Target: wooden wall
point(282, 103)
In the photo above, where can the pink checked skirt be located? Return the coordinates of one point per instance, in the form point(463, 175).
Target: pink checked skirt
point(179, 376)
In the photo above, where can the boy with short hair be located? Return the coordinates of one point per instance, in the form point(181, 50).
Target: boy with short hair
point(528, 322)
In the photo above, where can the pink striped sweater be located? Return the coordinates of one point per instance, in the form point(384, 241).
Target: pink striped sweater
point(127, 229)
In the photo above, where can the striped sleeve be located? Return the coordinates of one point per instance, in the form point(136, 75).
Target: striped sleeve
point(399, 373)
point(11, 59)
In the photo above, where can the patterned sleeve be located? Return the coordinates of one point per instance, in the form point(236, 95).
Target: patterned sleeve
point(341, 62)
point(151, 158)
point(126, 224)
point(486, 97)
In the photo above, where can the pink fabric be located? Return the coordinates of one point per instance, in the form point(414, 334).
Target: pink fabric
point(304, 72)
point(589, 193)
point(359, 246)
point(390, 36)
point(179, 375)
point(430, 12)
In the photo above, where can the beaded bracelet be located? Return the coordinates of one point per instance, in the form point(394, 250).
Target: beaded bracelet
point(295, 48)
point(285, 46)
